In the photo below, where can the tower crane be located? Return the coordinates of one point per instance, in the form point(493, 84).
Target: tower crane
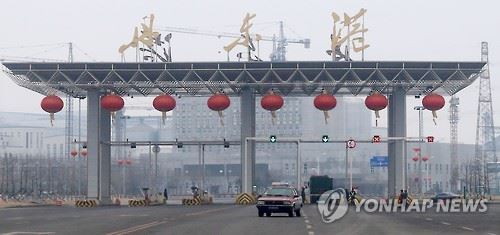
point(279, 43)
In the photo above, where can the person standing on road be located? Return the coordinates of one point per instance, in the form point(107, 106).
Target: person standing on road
point(303, 194)
point(400, 198)
point(165, 194)
point(352, 195)
point(405, 197)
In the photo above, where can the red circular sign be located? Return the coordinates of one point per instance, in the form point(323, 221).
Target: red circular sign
point(351, 143)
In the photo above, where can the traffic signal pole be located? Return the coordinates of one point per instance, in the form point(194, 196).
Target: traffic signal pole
point(247, 177)
point(348, 165)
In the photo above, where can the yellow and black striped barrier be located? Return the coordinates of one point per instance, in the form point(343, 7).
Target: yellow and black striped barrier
point(191, 201)
point(245, 199)
point(135, 202)
point(85, 203)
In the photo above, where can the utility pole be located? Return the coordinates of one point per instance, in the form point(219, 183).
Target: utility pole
point(68, 128)
point(485, 129)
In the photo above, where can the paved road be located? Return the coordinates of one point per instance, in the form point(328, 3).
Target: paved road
point(232, 219)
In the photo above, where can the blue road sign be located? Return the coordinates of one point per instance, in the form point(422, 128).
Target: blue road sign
point(379, 161)
point(493, 167)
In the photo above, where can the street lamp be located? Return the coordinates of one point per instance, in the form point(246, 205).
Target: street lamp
point(420, 134)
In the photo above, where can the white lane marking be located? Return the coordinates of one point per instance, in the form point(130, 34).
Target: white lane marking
point(308, 226)
point(127, 215)
point(428, 219)
point(491, 234)
point(445, 223)
point(27, 233)
point(15, 218)
point(467, 228)
point(310, 233)
point(136, 228)
point(307, 221)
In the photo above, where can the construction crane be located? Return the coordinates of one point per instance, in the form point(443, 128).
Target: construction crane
point(279, 43)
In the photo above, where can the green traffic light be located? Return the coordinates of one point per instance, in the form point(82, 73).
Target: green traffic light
point(272, 139)
point(325, 139)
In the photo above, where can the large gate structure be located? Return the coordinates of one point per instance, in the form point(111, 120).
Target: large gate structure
point(245, 80)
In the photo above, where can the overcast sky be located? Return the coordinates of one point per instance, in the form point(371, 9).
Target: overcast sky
point(444, 30)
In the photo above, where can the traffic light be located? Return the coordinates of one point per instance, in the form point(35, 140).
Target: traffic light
point(430, 139)
point(325, 139)
point(376, 139)
point(272, 139)
point(226, 144)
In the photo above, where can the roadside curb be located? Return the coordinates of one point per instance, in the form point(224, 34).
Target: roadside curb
point(28, 206)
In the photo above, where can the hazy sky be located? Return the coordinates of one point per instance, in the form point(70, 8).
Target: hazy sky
point(447, 30)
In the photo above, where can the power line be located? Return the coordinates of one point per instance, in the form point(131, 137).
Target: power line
point(31, 46)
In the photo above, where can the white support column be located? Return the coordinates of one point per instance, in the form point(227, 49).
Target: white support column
point(105, 157)
point(93, 106)
point(99, 155)
point(247, 146)
point(396, 149)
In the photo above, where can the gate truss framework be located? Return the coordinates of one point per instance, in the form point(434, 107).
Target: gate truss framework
point(92, 80)
point(204, 78)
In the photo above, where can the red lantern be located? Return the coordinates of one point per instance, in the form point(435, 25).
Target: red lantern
point(52, 104)
point(164, 103)
point(425, 158)
point(325, 102)
point(128, 162)
point(83, 153)
point(272, 102)
point(120, 162)
point(219, 102)
point(415, 159)
point(73, 153)
point(112, 103)
point(433, 102)
point(376, 102)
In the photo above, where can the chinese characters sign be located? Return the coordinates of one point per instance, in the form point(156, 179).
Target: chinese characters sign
point(347, 31)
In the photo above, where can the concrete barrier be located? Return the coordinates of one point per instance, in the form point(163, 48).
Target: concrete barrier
point(245, 199)
point(86, 203)
point(140, 202)
point(191, 201)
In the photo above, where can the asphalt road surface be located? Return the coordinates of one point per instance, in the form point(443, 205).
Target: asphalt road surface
point(232, 219)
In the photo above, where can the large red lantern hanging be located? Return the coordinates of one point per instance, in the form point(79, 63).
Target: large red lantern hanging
point(414, 158)
point(73, 153)
point(272, 102)
point(52, 104)
point(120, 162)
point(325, 102)
point(425, 158)
point(376, 102)
point(164, 103)
point(128, 162)
point(219, 102)
point(112, 103)
point(84, 152)
point(433, 102)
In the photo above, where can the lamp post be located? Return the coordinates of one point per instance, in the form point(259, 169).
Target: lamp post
point(425, 159)
point(420, 134)
point(156, 150)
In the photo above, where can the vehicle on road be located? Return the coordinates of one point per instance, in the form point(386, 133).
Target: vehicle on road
point(445, 196)
point(318, 184)
point(280, 199)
